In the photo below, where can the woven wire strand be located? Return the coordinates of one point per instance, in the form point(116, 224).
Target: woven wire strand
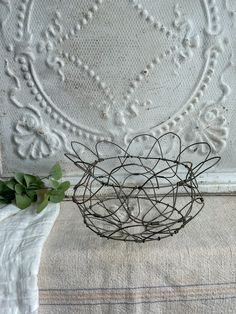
point(139, 198)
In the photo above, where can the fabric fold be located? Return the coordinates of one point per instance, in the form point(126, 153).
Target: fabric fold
point(22, 236)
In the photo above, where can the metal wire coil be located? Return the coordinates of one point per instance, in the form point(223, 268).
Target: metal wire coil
point(138, 198)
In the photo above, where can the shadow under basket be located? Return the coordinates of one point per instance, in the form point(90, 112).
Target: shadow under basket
point(137, 198)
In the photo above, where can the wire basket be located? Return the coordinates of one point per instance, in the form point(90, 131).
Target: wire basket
point(140, 196)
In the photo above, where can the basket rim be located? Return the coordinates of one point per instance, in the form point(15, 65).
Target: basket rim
point(189, 183)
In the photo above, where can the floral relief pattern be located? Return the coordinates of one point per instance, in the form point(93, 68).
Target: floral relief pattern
point(47, 46)
point(40, 61)
point(211, 127)
point(189, 41)
point(35, 139)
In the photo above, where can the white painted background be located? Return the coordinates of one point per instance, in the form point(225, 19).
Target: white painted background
point(88, 70)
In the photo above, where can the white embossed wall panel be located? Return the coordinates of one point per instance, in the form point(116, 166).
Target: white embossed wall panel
point(110, 69)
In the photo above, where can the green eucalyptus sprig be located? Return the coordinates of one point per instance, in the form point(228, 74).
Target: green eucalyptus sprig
point(24, 189)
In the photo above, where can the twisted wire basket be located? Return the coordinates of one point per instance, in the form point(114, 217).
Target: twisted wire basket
point(146, 195)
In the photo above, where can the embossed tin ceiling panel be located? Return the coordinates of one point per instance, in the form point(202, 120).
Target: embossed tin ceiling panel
point(106, 69)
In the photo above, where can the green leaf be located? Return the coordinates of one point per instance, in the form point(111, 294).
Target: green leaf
point(20, 189)
point(29, 179)
point(24, 189)
point(2, 186)
point(4, 200)
point(11, 184)
point(43, 204)
point(33, 181)
point(64, 186)
point(39, 183)
point(22, 201)
point(57, 196)
point(19, 177)
point(6, 193)
point(56, 172)
point(8, 198)
point(32, 195)
point(54, 183)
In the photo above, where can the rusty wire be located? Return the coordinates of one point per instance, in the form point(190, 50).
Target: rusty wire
point(138, 197)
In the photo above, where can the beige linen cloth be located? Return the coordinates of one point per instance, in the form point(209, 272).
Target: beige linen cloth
point(22, 235)
point(193, 272)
